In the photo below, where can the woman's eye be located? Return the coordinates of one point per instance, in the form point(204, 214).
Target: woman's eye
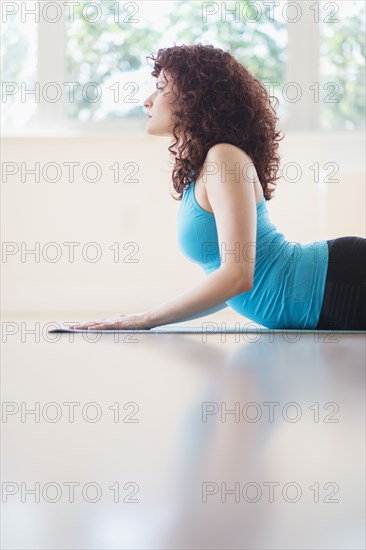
point(161, 86)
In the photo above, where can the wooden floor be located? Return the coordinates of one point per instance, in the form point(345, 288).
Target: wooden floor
point(182, 441)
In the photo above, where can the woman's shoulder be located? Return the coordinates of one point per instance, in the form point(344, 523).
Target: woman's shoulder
point(223, 149)
point(226, 157)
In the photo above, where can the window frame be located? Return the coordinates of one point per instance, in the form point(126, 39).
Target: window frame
point(302, 67)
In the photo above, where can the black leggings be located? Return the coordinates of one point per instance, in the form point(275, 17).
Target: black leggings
point(344, 300)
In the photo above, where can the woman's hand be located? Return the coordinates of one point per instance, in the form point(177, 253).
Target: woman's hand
point(132, 321)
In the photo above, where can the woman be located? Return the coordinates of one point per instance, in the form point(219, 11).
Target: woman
point(224, 145)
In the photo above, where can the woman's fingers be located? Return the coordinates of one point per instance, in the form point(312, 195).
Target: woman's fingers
point(87, 325)
point(103, 327)
point(103, 324)
point(124, 322)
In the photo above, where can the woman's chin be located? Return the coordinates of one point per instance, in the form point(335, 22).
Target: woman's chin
point(148, 128)
point(151, 131)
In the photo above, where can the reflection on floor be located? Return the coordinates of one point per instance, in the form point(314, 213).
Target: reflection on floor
point(172, 441)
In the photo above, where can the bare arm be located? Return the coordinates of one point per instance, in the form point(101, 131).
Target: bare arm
point(232, 198)
point(202, 313)
point(202, 299)
point(207, 312)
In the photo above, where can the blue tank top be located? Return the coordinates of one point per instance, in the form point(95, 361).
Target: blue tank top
point(289, 278)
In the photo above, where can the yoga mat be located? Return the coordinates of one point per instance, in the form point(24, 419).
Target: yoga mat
point(209, 329)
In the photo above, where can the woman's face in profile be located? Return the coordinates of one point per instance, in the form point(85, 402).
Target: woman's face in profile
point(158, 106)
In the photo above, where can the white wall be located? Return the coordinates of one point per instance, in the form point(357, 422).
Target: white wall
point(106, 212)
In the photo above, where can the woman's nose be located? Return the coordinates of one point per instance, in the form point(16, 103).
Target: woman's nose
point(147, 102)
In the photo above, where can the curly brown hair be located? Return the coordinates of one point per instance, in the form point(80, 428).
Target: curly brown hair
point(218, 101)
